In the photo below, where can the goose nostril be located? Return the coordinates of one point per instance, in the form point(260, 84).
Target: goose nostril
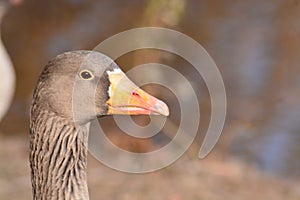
point(135, 94)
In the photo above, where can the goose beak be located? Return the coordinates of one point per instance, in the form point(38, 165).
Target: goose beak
point(126, 98)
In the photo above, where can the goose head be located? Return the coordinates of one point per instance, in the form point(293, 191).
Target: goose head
point(82, 85)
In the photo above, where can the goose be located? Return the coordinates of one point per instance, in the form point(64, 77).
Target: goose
point(7, 74)
point(58, 148)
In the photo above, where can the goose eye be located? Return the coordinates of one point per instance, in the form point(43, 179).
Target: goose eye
point(86, 75)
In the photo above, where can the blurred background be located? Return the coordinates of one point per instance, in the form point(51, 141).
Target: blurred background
point(255, 44)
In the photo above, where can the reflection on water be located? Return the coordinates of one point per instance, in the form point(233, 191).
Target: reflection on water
point(276, 149)
point(280, 149)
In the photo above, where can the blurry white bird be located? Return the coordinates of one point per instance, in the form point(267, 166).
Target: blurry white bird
point(7, 75)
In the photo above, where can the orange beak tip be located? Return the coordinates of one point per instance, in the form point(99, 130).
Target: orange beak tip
point(160, 108)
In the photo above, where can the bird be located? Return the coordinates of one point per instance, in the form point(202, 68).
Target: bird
point(7, 74)
point(74, 88)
